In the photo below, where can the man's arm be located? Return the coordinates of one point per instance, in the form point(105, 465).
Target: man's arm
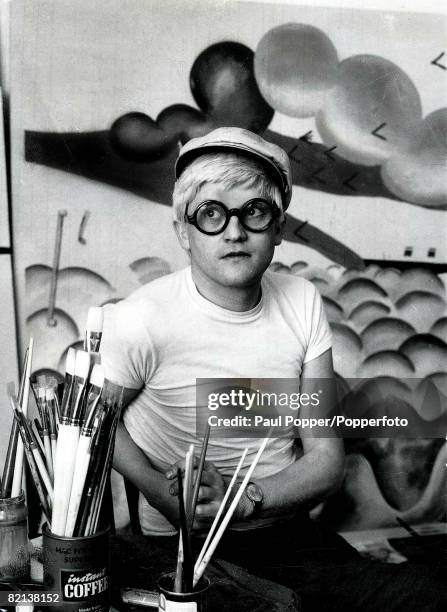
point(130, 461)
point(319, 472)
point(310, 479)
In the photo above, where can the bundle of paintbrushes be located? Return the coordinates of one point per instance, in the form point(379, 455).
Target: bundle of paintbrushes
point(69, 448)
point(188, 574)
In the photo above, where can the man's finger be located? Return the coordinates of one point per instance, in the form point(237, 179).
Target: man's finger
point(209, 467)
point(171, 472)
point(208, 510)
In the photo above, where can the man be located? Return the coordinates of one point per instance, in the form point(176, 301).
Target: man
point(226, 317)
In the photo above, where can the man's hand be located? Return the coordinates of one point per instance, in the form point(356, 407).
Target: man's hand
point(211, 492)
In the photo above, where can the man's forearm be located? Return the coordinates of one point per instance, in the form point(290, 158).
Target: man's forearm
point(309, 480)
point(130, 461)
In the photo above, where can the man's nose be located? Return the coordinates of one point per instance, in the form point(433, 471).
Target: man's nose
point(234, 230)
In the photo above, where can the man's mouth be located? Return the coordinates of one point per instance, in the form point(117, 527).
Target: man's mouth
point(236, 255)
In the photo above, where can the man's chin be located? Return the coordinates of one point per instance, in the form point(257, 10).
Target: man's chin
point(241, 279)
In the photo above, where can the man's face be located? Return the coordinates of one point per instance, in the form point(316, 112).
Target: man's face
point(236, 257)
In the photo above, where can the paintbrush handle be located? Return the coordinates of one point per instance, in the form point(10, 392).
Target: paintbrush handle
point(188, 480)
point(83, 521)
point(77, 487)
point(195, 494)
point(43, 472)
point(18, 466)
point(63, 475)
point(48, 455)
point(37, 437)
point(8, 470)
point(105, 474)
point(18, 470)
point(36, 479)
point(53, 451)
point(179, 569)
point(186, 542)
point(35, 474)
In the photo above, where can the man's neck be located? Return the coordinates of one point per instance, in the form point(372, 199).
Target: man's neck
point(238, 299)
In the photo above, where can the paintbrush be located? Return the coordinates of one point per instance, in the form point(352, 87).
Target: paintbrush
point(195, 494)
point(52, 387)
point(97, 502)
point(51, 402)
point(68, 385)
point(38, 436)
point(187, 500)
point(30, 459)
point(44, 419)
point(186, 541)
point(82, 369)
point(83, 451)
point(187, 484)
point(94, 470)
point(8, 470)
point(200, 568)
point(106, 463)
point(38, 386)
point(18, 466)
point(93, 333)
point(31, 442)
point(67, 443)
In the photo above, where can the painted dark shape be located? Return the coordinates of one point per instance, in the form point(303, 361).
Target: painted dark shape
point(315, 175)
point(348, 181)
point(435, 62)
point(376, 131)
point(307, 137)
point(329, 151)
point(137, 137)
point(223, 84)
point(82, 226)
point(184, 122)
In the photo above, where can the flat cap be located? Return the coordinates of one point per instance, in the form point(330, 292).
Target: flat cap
point(238, 140)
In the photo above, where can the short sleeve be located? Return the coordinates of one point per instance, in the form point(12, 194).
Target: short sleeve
point(127, 354)
point(319, 334)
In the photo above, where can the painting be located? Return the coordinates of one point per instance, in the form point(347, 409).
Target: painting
point(103, 95)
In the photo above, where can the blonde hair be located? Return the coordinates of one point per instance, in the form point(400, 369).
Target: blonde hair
point(226, 169)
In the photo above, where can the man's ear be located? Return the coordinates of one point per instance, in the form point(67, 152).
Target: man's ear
point(279, 231)
point(181, 229)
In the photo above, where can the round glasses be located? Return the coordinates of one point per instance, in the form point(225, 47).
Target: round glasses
point(212, 217)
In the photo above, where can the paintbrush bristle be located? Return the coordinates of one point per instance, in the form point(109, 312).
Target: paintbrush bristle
point(49, 394)
point(95, 319)
point(82, 364)
point(97, 376)
point(70, 361)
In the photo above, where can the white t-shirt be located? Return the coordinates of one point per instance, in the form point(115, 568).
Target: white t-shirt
point(165, 335)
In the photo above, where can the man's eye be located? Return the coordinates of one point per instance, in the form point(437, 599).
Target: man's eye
point(254, 211)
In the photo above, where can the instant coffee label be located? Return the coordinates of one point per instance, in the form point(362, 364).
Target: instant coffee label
point(81, 585)
point(176, 606)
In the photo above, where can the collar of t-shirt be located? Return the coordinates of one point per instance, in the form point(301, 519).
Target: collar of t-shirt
point(219, 312)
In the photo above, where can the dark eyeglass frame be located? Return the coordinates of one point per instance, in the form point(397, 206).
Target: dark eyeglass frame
point(237, 212)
